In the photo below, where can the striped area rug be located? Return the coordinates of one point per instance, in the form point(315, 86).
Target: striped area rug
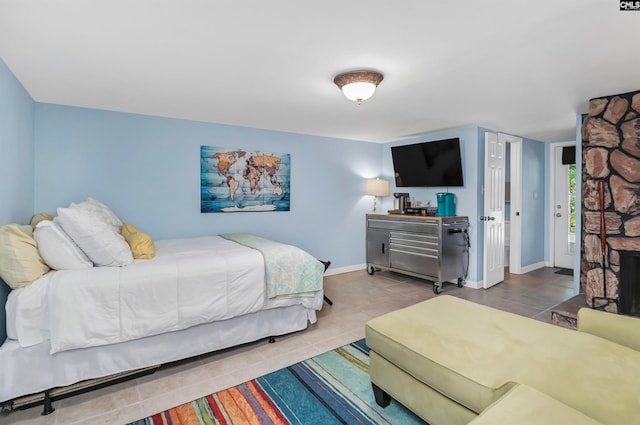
point(331, 388)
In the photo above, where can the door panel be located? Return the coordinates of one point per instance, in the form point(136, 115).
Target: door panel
point(494, 177)
point(563, 213)
point(378, 247)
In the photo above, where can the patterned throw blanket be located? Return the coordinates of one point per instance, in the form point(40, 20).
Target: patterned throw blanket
point(289, 270)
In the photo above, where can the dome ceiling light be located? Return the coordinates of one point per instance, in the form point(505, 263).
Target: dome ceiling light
point(358, 85)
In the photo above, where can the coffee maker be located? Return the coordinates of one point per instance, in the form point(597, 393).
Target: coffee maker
point(400, 203)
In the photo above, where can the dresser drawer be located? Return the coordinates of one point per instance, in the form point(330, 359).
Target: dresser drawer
point(414, 240)
point(423, 226)
point(425, 263)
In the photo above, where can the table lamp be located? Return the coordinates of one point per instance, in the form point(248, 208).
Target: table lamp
point(375, 188)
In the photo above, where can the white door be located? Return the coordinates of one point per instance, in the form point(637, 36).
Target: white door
point(563, 212)
point(515, 221)
point(494, 169)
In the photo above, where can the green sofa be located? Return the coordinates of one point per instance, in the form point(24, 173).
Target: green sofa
point(454, 362)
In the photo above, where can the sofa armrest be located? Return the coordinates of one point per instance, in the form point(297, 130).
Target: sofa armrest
point(623, 330)
point(524, 405)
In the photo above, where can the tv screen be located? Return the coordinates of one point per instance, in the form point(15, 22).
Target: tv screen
point(429, 164)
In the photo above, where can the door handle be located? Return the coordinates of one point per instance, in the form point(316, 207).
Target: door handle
point(558, 215)
point(486, 218)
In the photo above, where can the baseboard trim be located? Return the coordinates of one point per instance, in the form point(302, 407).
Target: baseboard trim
point(345, 269)
point(532, 267)
point(474, 284)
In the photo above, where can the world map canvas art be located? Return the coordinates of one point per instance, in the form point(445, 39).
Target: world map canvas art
point(234, 180)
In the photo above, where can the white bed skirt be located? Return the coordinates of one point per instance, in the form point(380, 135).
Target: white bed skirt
point(30, 370)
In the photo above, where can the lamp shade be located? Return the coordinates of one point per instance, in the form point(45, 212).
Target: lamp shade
point(358, 91)
point(377, 187)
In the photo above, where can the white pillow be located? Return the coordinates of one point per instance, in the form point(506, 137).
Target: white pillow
point(57, 249)
point(97, 238)
point(100, 210)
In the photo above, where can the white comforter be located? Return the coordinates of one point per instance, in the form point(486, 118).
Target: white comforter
point(190, 281)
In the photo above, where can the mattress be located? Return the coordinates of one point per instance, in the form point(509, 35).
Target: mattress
point(189, 282)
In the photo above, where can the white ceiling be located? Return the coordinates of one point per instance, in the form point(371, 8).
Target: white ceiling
point(521, 67)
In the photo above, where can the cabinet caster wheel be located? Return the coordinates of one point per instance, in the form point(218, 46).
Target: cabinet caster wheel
point(437, 288)
point(461, 282)
point(371, 270)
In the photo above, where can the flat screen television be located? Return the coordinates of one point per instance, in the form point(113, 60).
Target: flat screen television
point(428, 164)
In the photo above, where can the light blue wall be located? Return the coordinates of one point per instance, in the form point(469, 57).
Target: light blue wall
point(148, 170)
point(16, 159)
point(466, 196)
point(534, 196)
point(16, 149)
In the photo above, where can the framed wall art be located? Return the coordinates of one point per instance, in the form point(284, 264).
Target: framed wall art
point(235, 180)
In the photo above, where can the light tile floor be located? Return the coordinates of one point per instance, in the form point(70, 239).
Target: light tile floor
point(357, 298)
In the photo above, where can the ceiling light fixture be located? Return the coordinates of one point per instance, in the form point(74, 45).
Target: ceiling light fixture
point(358, 85)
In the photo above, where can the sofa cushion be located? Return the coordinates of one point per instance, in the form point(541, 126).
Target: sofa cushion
point(525, 406)
point(474, 354)
point(409, 339)
point(623, 330)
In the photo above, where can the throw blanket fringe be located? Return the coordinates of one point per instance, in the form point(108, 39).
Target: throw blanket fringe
point(288, 269)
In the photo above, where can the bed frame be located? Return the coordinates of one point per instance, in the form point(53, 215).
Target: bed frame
point(46, 378)
point(32, 376)
point(4, 293)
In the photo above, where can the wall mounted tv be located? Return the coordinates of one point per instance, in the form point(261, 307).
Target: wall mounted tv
point(428, 164)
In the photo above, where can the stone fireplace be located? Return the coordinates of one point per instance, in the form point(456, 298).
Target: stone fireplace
point(611, 203)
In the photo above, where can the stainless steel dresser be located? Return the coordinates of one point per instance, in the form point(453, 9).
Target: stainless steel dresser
point(432, 248)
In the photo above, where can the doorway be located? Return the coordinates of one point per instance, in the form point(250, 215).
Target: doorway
point(495, 197)
point(563, 207)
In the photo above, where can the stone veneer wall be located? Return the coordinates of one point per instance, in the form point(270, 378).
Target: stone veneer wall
point(611, 153)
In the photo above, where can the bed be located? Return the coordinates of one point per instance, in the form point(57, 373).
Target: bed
point(193, 297)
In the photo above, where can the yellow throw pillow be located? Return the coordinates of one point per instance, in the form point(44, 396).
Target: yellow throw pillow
point(37, 218)
point(141, 244)
point(20, 261)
